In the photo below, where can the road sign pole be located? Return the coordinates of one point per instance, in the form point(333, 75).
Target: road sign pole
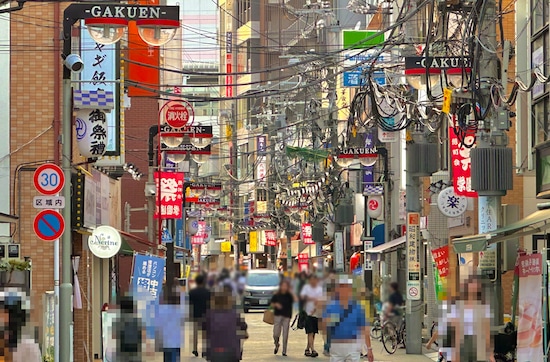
point(56, 294)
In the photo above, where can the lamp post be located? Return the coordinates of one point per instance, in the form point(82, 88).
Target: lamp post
point(106, 24)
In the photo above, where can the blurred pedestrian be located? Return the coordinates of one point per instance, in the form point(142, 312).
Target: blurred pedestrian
point(329, 290)
point(169, 323)
point(129, 332)
point(282, 302)
point(345, 321)
point(311, 294)
point(199, 301)
point(16, 343)
point(225, 329)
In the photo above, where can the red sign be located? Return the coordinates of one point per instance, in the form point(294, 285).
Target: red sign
point(307, 237)
point(178, 114)
point(373, 204)
point(228, 77)
point(530, 265)
point(201, 230)
point(169, 201)
point(441, 258)
point(49, 179)
point(303, 261)
point(270, 238)
point(49, 225)
point(461, 164)
point(197, 240)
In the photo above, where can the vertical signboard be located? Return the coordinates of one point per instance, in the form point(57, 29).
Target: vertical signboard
point(143, 60)
point(148, 275)
point(169, 186)
point(461, 164)
point(367, 244)
point(488, 208)
point(339, 251)
point(261, 164)
point(229, 64)
point(99, 72)
point(307, 237)
point(413, 263)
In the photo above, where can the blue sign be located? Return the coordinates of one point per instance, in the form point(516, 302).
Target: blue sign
point(166, 237)
point(356, 78)
point(179, 237)
point(148, 275)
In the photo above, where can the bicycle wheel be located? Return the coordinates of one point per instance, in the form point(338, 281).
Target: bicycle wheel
point(376, 331)
point(404, 335)
point(389, 337)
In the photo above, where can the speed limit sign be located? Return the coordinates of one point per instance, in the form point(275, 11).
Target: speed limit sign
point(49, 179)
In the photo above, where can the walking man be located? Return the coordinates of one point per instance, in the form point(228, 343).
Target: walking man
point(199, 301)
point(312, 294)
point(344, 319)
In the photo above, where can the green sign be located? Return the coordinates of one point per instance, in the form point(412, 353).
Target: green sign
point(440, 284)
point(361, 39)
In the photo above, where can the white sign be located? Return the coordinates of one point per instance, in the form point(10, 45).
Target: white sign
point(488, 218)
point(105, 242)
point(366, 246)
point(261, 169)
point(48, 202)
point(386, 136)
point(450, 204)
point(413, 239)
point(413, 290)
point(339, 251)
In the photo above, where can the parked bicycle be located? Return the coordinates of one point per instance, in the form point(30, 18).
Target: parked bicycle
point(393, 335)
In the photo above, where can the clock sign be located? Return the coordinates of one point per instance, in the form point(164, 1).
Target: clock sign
point(450, 204)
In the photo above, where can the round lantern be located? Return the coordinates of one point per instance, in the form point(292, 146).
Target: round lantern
point(91, 132)
point(375, 206)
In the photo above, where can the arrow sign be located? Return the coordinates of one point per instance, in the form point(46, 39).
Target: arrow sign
point(49, 225)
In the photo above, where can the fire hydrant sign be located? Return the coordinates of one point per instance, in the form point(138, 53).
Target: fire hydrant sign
point(178, 114)
point(307, 234)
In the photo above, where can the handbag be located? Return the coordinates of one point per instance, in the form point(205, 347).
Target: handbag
point(301, 320)
point(269, 317)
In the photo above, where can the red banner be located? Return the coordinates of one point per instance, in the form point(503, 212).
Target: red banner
point(461, 164)
point(270, 238)
point(441, 257)
point(307, 237)
point(197, 240)
point(303, 262)
point(169, 186)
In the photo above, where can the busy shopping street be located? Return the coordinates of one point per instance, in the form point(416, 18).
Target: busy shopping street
point(274, 180)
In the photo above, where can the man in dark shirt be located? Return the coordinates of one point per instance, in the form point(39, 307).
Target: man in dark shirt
point(282, 303)
point(199, 301)
point(396, 298)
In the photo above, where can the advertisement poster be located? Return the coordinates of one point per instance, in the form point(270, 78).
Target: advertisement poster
point(148, 275)
point(440, 284)
point(170, 195)
point(441, 258)
point(529, 347)
point(462, 164)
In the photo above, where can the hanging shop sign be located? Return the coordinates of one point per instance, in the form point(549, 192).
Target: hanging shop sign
point(375, 206)
point(148, 275)
point(451, 204)
point(91, 132)
point(437, 62)
point(461, 164)
point(169, 186)
point(413, 240)
point(307, 236)
point(303, 262)
point(178, 114)
point(441, 258)
point(105, 242)
point(270, 238)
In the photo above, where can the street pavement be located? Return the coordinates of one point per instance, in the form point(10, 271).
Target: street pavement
point(259, 346)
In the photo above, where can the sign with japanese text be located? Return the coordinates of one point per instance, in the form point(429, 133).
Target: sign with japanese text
point(530, 318)
point(178, 114)
point(253, 242)
point(91, 132)
point(270, 238)
point(229, 65)
point(148, 275)
point(197, 240)
point(488, 209)
point(169, 186)
point(201, 230)
point(261, 146)
point(367, 244)
point(413, 240)
point(441, 258)
point(99, 73)
point(461, 164)
point(303, 262)
point(307, 237)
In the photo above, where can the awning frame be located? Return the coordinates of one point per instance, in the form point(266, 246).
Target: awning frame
point(388, 247)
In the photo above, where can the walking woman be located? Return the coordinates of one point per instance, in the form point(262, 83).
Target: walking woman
point(282, 305)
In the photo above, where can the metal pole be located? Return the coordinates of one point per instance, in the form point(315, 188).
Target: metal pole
point(415, 308)
point(56, 295)
point(66, 289)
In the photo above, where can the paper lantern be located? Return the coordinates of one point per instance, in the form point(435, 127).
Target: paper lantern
point(375, 206)
point(91, 132)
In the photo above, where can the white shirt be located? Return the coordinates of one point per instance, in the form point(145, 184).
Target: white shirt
point(27, 351)
point(313, 295)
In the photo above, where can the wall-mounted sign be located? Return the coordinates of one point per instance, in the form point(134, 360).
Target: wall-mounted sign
point(178, 114)
point(451, 204)
point(437, 62)
point(91, 132)
point(307, 237)
point(169, 186)
point(461, 164)
point(105, 242)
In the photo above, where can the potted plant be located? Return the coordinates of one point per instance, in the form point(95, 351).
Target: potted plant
point(13, 270)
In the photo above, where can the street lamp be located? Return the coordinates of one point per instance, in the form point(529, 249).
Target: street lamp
point(104, 29)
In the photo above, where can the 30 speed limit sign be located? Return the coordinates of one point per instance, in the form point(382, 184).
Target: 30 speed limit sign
point(49, 179)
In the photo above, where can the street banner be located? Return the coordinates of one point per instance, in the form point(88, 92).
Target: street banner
point(441, 258)
point(440, 284)
point(169, 186)
point(462, 164)
point(270, 238)
point(148, 275)
point(307, 237)
point(303, 262)
point(529, 348)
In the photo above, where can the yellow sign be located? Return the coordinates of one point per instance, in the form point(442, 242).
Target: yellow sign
point(447, 95)
point(226, 247)
point(253, 239)
point(187, 271)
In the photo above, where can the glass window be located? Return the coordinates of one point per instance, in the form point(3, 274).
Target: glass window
point(540, 120)
point(263, 279)
point(538, 56)
point(537, 20)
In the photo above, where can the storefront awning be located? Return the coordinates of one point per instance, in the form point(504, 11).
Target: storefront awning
point(7, 218)
point(310, 250)
point(537, 222)
point(132, 243)
point(388, 247)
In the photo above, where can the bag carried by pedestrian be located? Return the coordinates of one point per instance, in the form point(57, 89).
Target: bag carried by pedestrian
point(269, 317)
point(299, 321)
